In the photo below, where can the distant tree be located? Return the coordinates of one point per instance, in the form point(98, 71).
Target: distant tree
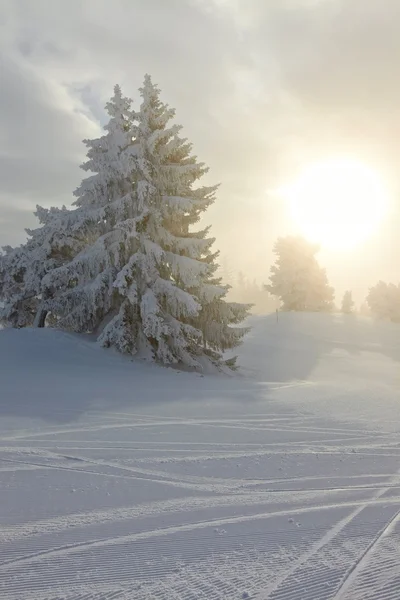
point(384, 301)
point(225, 271)
point(250, 292)
point(297, 279)
point(347, 303)
point(364, 309)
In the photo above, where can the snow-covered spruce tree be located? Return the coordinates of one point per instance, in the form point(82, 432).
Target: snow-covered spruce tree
point(26, 283)
point(173, 306)
point(22, 268)
point(347, 303)
point(80, 292)
point(297, 279)
point(384, 301)
point(18, 304)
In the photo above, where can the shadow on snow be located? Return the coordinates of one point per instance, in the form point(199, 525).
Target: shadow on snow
point(57, 377)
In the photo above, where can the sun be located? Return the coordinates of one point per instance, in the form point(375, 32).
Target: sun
point(338, 203)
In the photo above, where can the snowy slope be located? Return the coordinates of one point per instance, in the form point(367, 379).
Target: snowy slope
point(123, 480)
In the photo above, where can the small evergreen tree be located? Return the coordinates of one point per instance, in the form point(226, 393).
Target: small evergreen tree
point(297, 279)
point(384, 301)
point(347, 303)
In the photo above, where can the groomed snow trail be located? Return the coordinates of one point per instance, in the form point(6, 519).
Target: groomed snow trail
point(122, 480)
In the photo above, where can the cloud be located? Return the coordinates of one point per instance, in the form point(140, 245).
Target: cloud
point(337, 62)
point(261, 86)
point(40, 131)
point(62, 62)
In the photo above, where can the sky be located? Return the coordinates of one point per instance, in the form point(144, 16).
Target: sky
point(262, 88)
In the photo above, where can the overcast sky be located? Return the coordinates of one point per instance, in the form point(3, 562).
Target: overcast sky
point(262, 87)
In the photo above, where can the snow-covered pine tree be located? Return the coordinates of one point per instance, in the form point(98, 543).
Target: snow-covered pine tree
point(173, 306)
point(347, 303)
point(80, 292)
point(297, 279)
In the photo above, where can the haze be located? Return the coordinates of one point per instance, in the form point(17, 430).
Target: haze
point(263, 88)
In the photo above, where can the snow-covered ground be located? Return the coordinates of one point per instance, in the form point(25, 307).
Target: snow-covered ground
point(122, 480)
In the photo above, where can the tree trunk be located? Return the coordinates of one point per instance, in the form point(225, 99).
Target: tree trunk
point(40, 317)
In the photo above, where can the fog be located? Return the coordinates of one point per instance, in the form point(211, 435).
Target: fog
point(262, 87)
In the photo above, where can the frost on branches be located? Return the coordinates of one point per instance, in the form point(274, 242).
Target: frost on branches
point(126, 263)
point(297, 279)
point(23, 268)
point(172, 306)
point(80, 293)
point(43, 275)
point(18, 304)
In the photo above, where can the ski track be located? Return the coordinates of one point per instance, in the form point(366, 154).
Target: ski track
point(307, 568)
point(236, 490)
point(361, 564)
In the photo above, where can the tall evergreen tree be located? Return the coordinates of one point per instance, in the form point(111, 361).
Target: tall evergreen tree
point(173, 305)
point(297, 279)
point(126, 263)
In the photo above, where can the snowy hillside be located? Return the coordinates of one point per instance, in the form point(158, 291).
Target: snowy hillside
point(123, 480)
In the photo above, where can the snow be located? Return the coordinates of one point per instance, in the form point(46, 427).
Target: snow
point(123, 480)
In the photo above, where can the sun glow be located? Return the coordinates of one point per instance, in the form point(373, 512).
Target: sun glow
point(337, 203)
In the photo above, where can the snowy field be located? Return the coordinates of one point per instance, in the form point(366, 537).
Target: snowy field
point(122, 480)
